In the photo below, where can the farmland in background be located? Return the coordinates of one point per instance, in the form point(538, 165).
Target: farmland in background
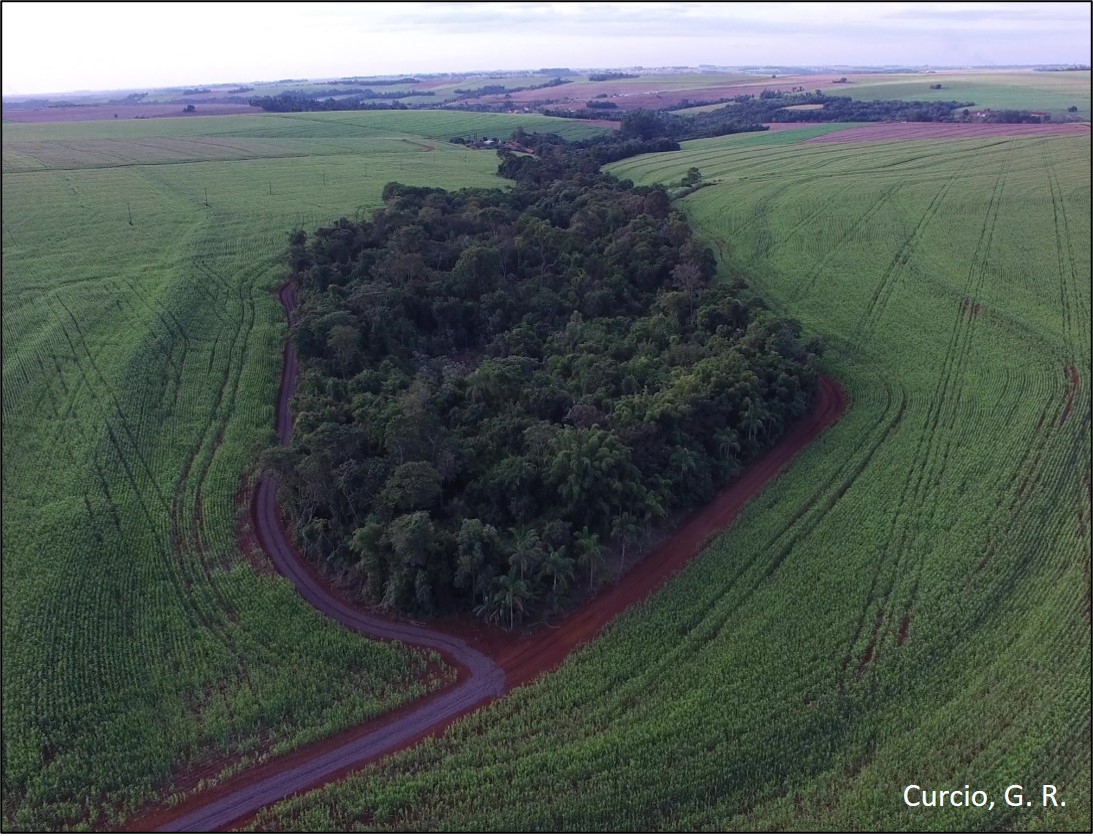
point(909, 603)
point(144, 636)
point(1049, 92)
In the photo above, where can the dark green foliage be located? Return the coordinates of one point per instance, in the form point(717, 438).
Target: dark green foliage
point(771, 106)
point(498, 89)
point(496, 383)
point(295, 101)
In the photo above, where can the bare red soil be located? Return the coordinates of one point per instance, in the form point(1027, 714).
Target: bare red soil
point(906, 131)
point(92, 113)
point(489, 661)
point(904, 629)
point(1072, 385)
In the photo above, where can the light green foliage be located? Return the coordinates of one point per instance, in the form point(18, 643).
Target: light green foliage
point(909, 603)
point(140, 366)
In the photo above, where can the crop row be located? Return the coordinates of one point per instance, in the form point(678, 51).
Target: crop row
point(142, 640)
point(908, 603)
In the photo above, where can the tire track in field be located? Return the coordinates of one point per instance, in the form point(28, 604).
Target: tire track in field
point(761, 215)
point(161, 344)
point(910, 498)
point(1076, 315)
point(710, 619)
point(820, 209)
point(951, 387)
point(1022, 546)
point(812, 512)
point(1062, 236)
point(244, 328)
point(927, 465)
point(118, 413)
point(879, 300)
point(143, 482)
point(187, 511)
point(828, 495)
point(804, 287)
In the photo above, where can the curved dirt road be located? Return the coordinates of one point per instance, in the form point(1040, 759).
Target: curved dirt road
point(481, 678)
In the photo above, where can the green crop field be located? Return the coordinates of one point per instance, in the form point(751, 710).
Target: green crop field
point(141, 359)
point(909, 603)
point(1051, 92)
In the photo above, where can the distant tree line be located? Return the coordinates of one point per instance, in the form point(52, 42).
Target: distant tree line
point(610, 76)
point(578, 113)
point(484, 90)
point(841, 109)
point(375, 82)
point(773, 106)
point(369, 93)
point(297, 102)
point(500, 389)
point(647, 126)
point(748, 113)
point(498, 89)
point(1009, 117)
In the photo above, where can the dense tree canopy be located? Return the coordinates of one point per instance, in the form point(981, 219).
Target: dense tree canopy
point(498, 386)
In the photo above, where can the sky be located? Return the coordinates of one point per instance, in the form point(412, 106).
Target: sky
point(59, 47)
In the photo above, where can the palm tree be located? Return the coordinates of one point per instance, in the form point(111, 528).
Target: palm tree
point(626, 529)
point(728, 442)
point(728, 447)
point(510, 593)
point(591, 552)
point(655, 508)
point(559, 566)
point(686, 460)
point(527, 550)
point(477, 545)
point(490, 609)
point(754, 416)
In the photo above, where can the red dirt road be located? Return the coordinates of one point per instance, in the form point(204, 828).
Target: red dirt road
point(515, 660)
